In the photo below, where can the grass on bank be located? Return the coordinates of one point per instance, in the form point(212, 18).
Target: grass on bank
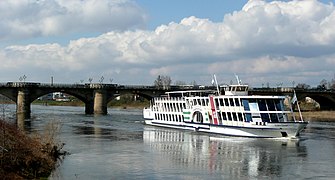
point(25, 156)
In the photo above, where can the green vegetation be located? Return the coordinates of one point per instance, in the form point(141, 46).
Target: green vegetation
point(25, 156)
point(128, 101)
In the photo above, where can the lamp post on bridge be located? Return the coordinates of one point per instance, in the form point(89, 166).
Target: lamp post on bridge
point(23, 78)
point(101, 79)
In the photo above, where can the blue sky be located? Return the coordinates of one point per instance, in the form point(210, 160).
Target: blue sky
point(165, 11)
point(132, 42)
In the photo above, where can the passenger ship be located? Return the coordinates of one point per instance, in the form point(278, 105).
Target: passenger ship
point(232, 113)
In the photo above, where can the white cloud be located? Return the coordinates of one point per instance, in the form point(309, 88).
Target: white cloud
point(264, 42)
point(33, 18)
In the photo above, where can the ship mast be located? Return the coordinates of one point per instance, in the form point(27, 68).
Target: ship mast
point(216, 83)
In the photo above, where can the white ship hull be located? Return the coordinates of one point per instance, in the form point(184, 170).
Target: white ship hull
point(271, 130)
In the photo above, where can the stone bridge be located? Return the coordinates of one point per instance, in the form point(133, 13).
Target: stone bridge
point(97, 96)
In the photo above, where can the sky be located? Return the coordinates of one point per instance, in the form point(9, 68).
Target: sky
point(133, 42)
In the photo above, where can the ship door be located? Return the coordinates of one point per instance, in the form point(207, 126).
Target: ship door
point(197, 117)
point(254, 109)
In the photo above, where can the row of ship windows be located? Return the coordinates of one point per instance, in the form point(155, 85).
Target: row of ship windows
point(170, 107)
point(227, 102)
point(218, 101)
point(169, 117)
point(178, 107)
point(264, 117)
point(230, 116)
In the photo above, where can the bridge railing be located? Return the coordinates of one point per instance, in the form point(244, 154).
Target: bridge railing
point(141, 87)
point(279, 89)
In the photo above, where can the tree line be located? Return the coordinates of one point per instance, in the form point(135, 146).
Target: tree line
point(324, 85)
point(165, 82)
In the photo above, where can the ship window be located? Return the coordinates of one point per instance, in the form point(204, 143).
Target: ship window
point(194, 101)
point(248, 117)
point(229, 116)
point(237, 102)
point(216, 102)
point(231, 101)
point(226, 103)
point(262, 105)
point(271, 105)
point(219, 116)
point(165, 108)
point(207, 102)
point(274, 117)
point(278, 104)
point(187, 104)
point(239, 115)
point(246, 105)
point(265, 117)
point(221, 102)
point(234, 117)
point(203, 102)
point(199, 102)
point(224, 117)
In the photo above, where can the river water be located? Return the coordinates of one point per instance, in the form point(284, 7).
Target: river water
point(119, 146)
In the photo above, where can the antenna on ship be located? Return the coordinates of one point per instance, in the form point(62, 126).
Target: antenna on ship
point(216, 83)
point(239, 82)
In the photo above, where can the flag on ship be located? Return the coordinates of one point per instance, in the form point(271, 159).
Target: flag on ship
point(294, 98)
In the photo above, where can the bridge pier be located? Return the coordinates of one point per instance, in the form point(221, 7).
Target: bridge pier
point(23, 104)
point(89, 108)
point(100, 102)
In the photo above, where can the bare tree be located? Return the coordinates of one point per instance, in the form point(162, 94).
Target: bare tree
point(163, 82)
point(194, 83)
point(323, 84)
point(332, 84)
point(303, 86)
point(178, 83)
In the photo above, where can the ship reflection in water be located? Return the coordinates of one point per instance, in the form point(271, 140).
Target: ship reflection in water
point(225, 157)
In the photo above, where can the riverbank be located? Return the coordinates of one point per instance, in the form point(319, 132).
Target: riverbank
point(325, 116)
point(25, 156)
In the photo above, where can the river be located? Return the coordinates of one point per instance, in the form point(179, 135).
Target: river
point(119, 146)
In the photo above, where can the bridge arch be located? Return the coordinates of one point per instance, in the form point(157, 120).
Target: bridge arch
point(125, 93)
point(81, 97)
point(325, 101)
